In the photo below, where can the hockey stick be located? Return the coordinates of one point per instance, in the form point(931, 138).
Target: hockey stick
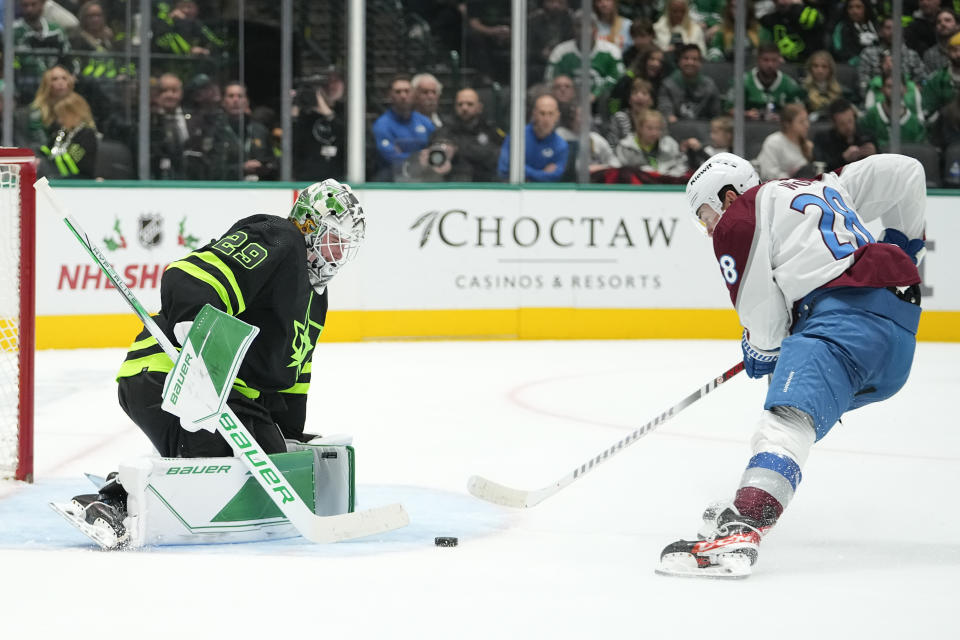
point(518, 498)
point(311, 526)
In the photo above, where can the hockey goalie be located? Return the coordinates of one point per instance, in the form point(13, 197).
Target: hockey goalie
point(244, 312)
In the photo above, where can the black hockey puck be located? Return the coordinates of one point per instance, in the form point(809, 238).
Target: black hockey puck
point(445, 541)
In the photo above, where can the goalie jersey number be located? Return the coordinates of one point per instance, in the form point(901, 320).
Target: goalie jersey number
point(250, 255)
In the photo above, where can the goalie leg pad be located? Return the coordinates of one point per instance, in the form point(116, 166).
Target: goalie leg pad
point(334, 472)
point(215, 500)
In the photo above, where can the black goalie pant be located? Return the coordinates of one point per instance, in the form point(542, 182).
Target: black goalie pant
point(140, 397)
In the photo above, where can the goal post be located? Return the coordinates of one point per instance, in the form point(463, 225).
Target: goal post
point(17, 307)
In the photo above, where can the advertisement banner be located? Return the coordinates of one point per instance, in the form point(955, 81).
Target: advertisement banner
point(486, 256)
point(507, 249)
point(141, 230)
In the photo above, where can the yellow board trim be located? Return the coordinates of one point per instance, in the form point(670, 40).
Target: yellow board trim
point(76, 332)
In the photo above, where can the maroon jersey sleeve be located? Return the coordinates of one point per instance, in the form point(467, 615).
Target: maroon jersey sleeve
point(733, 240)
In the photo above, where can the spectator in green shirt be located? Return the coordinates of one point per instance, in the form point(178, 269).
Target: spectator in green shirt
point(721, 45)
point(32, 31)
point(912, 96)
point(766, 88)
point(876, 121)
point(941, 87)
point(606, 62)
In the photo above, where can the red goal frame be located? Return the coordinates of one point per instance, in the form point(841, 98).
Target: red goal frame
point(27, 327)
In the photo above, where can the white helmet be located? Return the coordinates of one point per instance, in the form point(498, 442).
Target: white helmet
point(333, 225)
point(720, 171)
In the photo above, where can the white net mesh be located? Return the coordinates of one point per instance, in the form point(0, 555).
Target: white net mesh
point(9, 318)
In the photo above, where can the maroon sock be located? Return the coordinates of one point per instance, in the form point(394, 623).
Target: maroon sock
point(758, 504)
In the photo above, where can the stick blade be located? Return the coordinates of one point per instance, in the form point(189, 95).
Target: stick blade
point(358, 524)
point(500, 494)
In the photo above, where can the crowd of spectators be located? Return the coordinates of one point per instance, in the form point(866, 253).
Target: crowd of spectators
point(817, 88)
point(817, 92)
point(75, 90)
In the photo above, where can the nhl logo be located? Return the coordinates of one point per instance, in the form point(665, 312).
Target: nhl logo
point(150, 230)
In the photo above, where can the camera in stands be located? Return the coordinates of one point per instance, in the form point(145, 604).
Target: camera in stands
point(437, 155)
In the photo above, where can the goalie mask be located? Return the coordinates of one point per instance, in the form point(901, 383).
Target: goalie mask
point(711, 180)
point(333, 225)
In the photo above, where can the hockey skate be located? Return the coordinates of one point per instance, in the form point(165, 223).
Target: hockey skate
point(99, 516)
point(727, 546)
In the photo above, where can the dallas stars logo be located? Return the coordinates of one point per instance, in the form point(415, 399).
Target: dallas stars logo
point(302, 342)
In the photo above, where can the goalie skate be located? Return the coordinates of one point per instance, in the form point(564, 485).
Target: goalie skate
point(99, 516)
point(728, 547)
point(96, 520)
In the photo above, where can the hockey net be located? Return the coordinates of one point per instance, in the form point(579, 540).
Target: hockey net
point(17, 232)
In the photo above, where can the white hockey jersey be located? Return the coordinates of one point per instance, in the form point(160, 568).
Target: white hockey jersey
point(781, 240)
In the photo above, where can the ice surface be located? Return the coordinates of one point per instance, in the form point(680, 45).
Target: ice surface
point(868, 549)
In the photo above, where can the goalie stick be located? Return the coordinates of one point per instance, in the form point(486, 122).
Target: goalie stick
point(311, 526)
point(518, 498)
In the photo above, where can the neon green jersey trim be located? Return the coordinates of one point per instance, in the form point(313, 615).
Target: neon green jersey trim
point(203, 276)
point(160, 363)
point(300, 387)
point(241, 387)
point(143, 344)
point(155, 362)
point(212, 259)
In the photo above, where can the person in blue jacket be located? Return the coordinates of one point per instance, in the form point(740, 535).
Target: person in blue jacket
point(546, 152)
point(400, 131)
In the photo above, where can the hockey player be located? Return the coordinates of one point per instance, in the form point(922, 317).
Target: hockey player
point(828, 313)
point(270, 272)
